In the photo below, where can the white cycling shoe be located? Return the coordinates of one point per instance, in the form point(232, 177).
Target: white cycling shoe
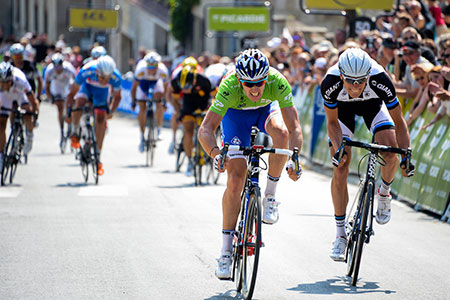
point(142, 146)
point(223, 270)
point(270, 210)
point(338, 250)
point(383, 214)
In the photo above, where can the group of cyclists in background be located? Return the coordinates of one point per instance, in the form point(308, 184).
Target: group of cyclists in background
point(237, 95)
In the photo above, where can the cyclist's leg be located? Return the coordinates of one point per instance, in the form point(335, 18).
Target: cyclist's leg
point(81, 99)
point(142, 115)
point(188, 126)
point(60, 106)
point(276, 128)
point(100, 127)
point(383, 129)
point(158, 91)
point(174, 121)
point(3, 124)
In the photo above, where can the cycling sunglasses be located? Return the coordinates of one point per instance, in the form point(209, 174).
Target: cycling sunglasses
point(251, 84)
point(152, 67)
point(355, 81)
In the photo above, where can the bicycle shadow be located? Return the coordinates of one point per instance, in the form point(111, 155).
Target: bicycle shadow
point(228, 295)
point(339, 285)
point(73, 185)
point(142, 166)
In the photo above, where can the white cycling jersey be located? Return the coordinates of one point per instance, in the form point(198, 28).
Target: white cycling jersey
point(215, 73)
point(18, 92)
point(60, 82)
point(146, 80)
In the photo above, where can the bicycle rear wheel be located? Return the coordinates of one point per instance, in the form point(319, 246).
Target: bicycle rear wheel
point(362, 236)
point(94, 160)
point(251, 244)
point(181, 155)
point(7, 158)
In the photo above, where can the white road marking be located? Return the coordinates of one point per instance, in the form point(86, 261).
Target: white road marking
point(10, 192)
point(103, 191)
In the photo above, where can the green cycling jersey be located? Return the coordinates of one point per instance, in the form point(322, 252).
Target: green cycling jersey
point(231, 93)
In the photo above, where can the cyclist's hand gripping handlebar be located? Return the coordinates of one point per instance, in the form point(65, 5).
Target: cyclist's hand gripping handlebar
point(337, 157)
point(219, 159)
point(294, 164)
point(406, 165)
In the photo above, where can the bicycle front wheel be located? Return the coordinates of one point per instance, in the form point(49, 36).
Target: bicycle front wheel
point(251, 244)
point(7, 158)
point(362, 236)
point(150, 144)
point(199, 161)
point(354, 218)
point(181, 155)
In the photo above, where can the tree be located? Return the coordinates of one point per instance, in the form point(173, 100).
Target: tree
point(180, 16)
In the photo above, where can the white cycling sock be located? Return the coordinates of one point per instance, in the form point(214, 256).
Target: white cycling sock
point(340, 226)
point(271, 186)
point(227, 240)
point(385, 188)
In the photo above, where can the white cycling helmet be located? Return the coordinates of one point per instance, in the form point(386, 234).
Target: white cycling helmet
point(57, 59)
point(6, 71)
point(17, 48)
point(152, 58)
point(252, 65)
point(98, 51)
point(106, 65)
point(354, 63)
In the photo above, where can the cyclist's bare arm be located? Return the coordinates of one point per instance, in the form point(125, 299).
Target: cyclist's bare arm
point(116, 100)
point(333, 127)
point(133, 91)
point(73, 91)
point(40, 86)
point(47, 90)
point(290, 117)
point(206, 133)
point(33, 101)
point(401, 128)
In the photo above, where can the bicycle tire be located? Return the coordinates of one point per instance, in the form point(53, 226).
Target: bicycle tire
point(181, 155)
point(350, 252)
point(94, 156)
point(7, 158)
point(251, 244)
point(362, 236)
point(150, 143)
point(198, 163)
point(84, 164)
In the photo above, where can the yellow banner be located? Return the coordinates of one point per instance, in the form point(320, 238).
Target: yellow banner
point(94, 18)
point(349, 4)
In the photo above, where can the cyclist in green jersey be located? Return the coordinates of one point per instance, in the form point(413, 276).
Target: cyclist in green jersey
point(254, 94)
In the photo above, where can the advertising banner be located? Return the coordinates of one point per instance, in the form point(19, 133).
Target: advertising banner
point(94, 18)
point(317, 119)
point(350, 4)
point(248, 18)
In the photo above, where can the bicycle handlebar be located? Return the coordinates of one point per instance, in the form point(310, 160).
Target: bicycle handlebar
point(374, 148)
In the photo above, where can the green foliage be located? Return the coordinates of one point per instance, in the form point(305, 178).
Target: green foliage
point(180, 13)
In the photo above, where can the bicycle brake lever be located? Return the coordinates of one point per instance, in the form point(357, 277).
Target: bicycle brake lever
point(224, 155)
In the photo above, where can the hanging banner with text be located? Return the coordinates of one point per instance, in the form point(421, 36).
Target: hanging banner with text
point(248, 18)
point(350, 4)
point(94, 18)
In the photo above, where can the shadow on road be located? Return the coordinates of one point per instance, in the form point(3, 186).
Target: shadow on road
point(73, 185)
point(339, 285)
point(136, 167)
point(228, 295)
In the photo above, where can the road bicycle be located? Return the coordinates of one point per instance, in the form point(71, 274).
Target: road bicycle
point(14, 146)
point(88, 153)
point(247, 239)
point(360, 217)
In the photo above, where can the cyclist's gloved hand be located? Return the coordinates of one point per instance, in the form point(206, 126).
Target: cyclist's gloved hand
point(407, 172)
point(217, 161)
point(290, 168)
point(335, 159)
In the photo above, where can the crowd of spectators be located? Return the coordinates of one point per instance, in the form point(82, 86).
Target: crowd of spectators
point(412, 43)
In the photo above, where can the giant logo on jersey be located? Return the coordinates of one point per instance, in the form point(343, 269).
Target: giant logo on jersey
point(383, 88)
point(332, 89)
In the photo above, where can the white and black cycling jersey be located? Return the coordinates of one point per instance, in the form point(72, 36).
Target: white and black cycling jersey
point(379, 86)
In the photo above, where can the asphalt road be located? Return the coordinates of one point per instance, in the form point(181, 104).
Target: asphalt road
point(148, 233)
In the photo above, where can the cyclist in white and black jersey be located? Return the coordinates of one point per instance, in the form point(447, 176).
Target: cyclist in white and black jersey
point(14, 86)
point(59, 76)
point(358, 86)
